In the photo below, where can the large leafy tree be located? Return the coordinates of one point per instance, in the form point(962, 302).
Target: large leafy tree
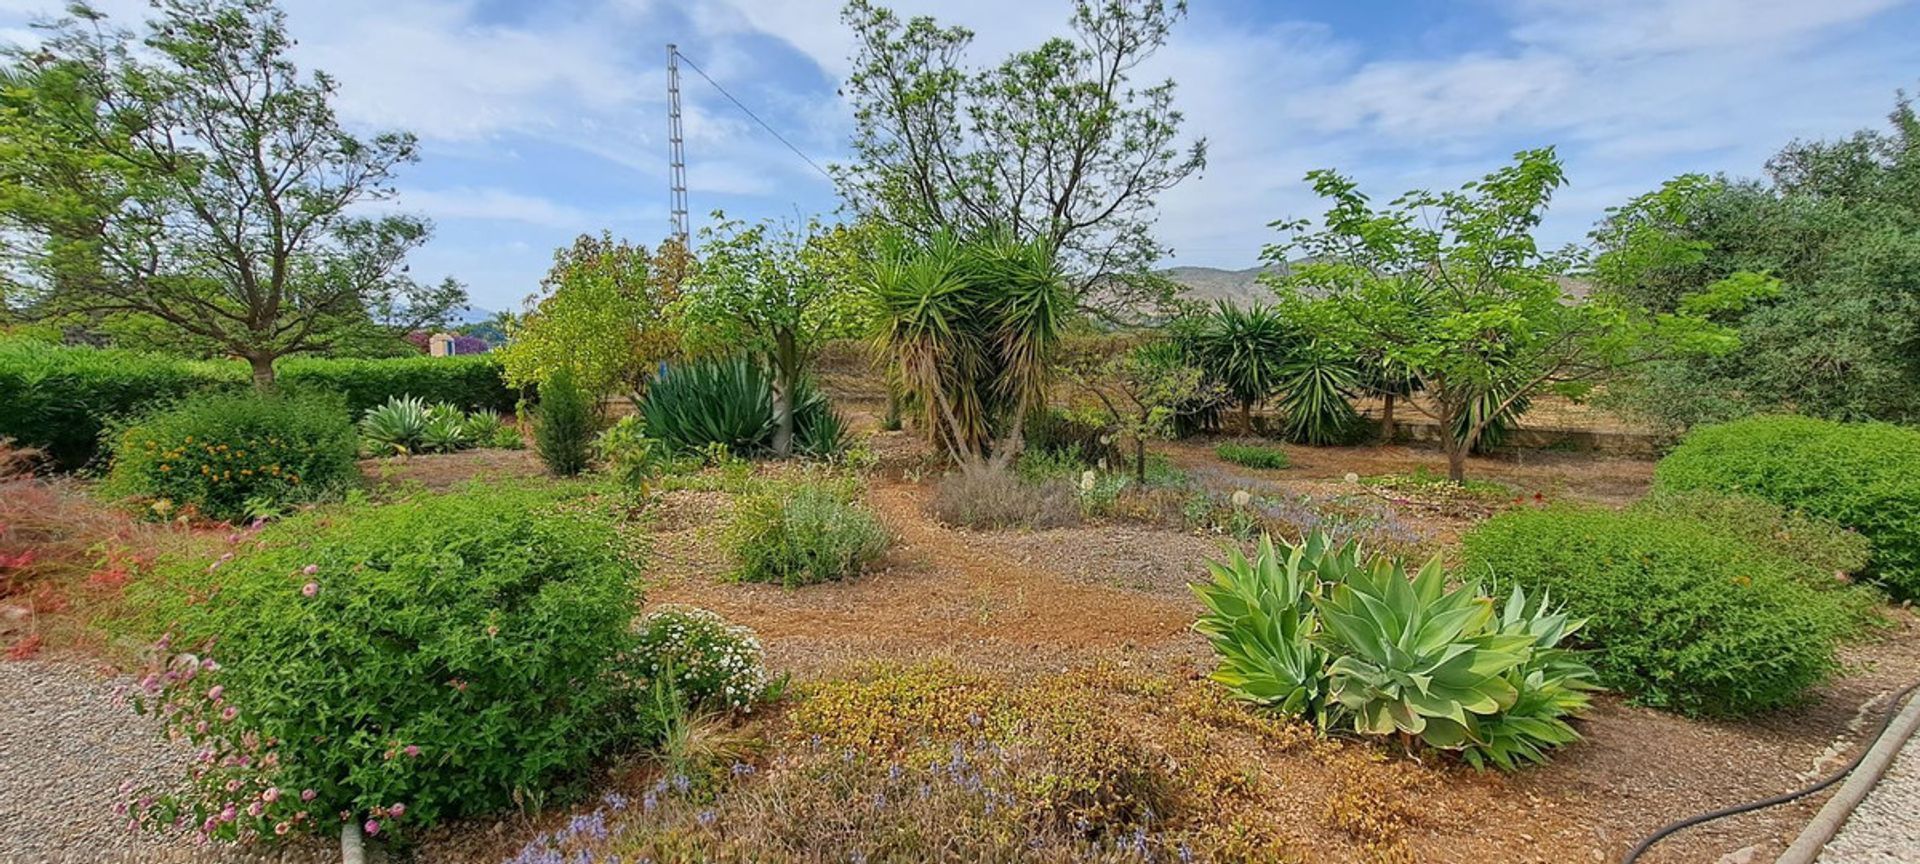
point(196, 180)
point(1452, 289)
point(1832, 235)
point(1056, 144)
point(779, 292)
point(602, 314)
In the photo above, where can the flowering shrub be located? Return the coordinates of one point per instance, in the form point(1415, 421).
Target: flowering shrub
point(714, 664)
point(218, 452)
point(391, 666)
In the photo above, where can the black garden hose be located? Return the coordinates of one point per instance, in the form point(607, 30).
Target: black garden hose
point(1866, 745)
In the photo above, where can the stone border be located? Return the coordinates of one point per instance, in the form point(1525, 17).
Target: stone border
point(1806, 848)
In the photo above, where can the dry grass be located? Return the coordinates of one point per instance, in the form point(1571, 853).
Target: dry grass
point(1000, 499)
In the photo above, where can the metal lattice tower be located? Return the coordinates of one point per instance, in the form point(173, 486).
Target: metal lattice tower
point(676, 150)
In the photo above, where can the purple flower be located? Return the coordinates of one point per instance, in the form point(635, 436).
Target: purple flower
point(310, 569)
point(706, 817)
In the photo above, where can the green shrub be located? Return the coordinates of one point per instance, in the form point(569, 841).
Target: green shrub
point(714, 665)
point(629, 454)
point(468, 382)
point(729, 401)
point(1681, 614)
point(225, 454)
point(59, 399)
point(1865, 476)
point(563, 425)
point(804, 532)
point(1000, 499)
point(1085, 436)
point(405, 664)
point(1823, 548)
point(1347, 639)
point(1252, 455)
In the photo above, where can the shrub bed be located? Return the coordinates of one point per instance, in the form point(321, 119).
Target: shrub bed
point(396, 665)
point(713, 664)
point(230, 455)
point(805, 532)
point(1865, 476)
point(1681, 614)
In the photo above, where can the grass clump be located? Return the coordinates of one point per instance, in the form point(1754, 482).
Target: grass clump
point(236, 455)
point(1681, 614)
point(1864, 476)
point(804, 532)
point(1000, 499)
point(1252, 455)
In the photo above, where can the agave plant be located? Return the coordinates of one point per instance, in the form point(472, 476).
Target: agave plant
point(445, 430)
point(396, 426)
point(729, 401)
point(1260, 618)
point(1553, 684)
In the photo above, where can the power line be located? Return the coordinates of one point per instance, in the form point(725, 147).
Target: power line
point(756, 118)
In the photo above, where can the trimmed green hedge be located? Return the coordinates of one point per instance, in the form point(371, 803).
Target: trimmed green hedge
point(1683, 613)
point(1865, 476)
point(61, 398)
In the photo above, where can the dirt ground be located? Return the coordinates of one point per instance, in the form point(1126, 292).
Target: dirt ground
point(1018, 603)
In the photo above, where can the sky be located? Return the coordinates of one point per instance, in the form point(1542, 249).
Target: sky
point(543, 119)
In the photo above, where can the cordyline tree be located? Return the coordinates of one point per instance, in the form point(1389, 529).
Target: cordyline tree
point(603, 313)
point(778, 293)
point(971, 326)
point(194, 179)
point(1452, 289)
point(1056, 144)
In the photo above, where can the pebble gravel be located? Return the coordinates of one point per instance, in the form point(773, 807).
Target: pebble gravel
point(1885, 828)
point(66, 746)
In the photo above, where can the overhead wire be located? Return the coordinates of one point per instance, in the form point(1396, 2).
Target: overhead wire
point(756, 118)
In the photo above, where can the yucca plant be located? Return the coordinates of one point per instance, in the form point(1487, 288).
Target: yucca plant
point(1314, 386)
point(395, 426)
point(1245, 351)
point(729, 401)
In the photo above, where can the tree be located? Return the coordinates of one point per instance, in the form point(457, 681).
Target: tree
point(604, 314)
point(1055, 144)
point(1143, 388)
point(970, 326)
point(1452, 287)
point(1829, 239)
point(195, 178)
point(780, 294)
point(1243, 350)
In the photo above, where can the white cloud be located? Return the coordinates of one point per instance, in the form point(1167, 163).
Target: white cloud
point(498, 205)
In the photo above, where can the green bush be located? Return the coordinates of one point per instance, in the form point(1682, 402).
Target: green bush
point(468, 382)
point(730, 401)
point(1865, 476)
point(1681, 614)
point(230, 455)
point(563, 425)
point(1348, 639)
point(59, 399)
point(1823, 548)
point(1252, 455)
point(405, 664)
point(803, 532)
point(1085, 436)
point(629, 454)
point(714, 665)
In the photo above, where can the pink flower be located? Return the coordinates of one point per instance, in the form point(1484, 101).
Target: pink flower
point(271, 795)
point(228, 812)
point(310, 569)
point(397, 810)
point(307, 794)
point(233, 785)
point(255, 809)
point(372, 827)
point(230, 713)
point(214, 693)
point(410, 750)
point(310, 589)
point(282, 828)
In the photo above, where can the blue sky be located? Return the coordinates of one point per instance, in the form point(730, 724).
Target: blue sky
point(543, 119)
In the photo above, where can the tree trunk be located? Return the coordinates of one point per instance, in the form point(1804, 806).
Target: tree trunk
point(1246, 416)
point(1140, 460)
point(786, 369)
point(262, 373)
point(1456, 462)
point(1386, 421)
point(352, 849)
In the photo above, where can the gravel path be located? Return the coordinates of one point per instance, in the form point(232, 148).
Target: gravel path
point(1885, 828)
point(65, 747)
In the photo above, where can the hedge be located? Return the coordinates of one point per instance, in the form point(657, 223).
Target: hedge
point(1865, 476)
point(61, 398)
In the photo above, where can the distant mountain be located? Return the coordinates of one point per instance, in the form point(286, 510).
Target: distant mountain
point(471, 315)
point(1210, 284)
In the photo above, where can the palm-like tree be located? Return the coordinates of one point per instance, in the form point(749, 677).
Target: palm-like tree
point(970, 325)
point(1244, 350)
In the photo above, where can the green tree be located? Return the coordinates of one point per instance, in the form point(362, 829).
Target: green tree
point(780, 293)
point(196, 178)
point(1452, 287)
point(1829, 241)
point(971, 327)
point(1143, 389)
point(604, 314)
point(1056, 144)
point(1243, 350)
